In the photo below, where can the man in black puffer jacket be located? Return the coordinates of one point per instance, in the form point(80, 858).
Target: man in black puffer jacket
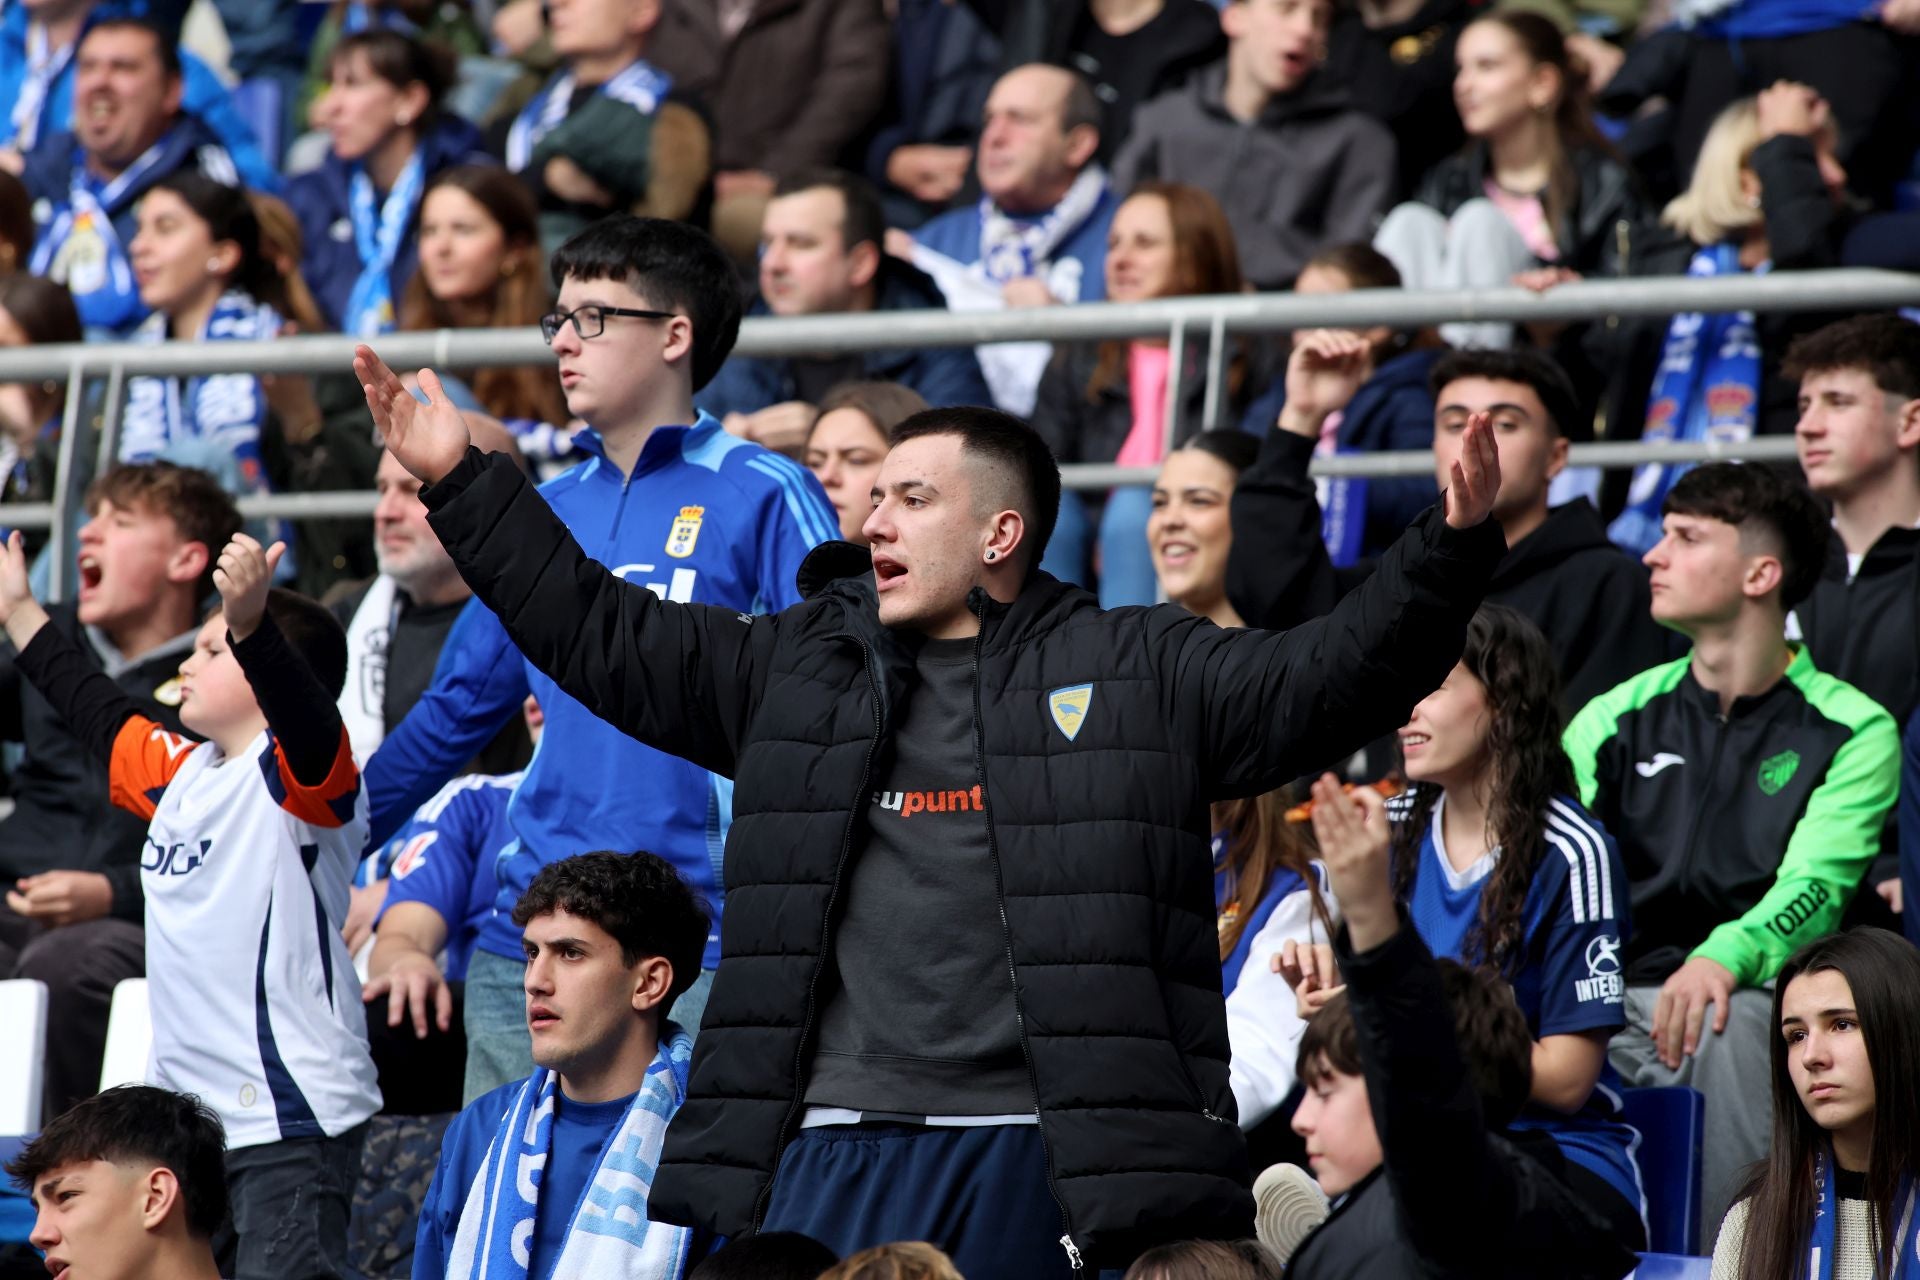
point(970, 981)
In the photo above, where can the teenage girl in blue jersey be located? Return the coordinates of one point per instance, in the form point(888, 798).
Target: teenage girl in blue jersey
point(1499, 865)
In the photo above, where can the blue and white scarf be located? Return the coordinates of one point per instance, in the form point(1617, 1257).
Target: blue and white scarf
point(211, 420)
point(639, 85)
point(1826, 1213)
point(608, 1234)
point(377, 237)
point(1016, 248)
point(81, 249)
point(44, 65)
point(1706, 389)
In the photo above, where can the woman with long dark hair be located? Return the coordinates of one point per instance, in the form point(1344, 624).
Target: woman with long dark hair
point(198, 263)
point(1537, 185)
point(1188, 531)
point(360, 209)
point(481, 267)
point(1107, 401)
point(1499, 865)
point(1839, 1192)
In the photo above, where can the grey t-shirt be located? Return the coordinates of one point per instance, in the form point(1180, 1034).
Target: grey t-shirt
point(920, 1017)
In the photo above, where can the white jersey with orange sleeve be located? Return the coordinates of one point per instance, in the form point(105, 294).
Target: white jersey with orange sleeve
point(256, 1007)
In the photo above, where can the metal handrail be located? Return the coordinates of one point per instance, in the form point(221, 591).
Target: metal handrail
point(1206, 319)
point(1853, 289)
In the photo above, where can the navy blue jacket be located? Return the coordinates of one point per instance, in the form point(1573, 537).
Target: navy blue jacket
point(328, 259)
point(942, 375)
point(1392, 411)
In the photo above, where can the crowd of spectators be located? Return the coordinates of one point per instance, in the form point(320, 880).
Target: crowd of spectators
point(1631, 761)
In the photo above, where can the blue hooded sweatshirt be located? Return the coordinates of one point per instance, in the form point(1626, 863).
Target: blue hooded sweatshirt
point(706, 518)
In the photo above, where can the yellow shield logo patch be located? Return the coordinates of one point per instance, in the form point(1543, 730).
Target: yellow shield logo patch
point(685, 532)
point(1069, 707)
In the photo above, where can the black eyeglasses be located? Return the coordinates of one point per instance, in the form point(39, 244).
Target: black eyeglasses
point(590, 321)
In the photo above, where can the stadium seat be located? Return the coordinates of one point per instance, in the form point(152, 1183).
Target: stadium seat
point(1671, 1121)
point(23, 1011)
point(129, 1034)
point(1672, 1266)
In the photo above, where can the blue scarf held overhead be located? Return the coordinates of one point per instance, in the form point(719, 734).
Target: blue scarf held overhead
point(1707, 389)
point(377, 235)
point(608, 1234)
point(639, 85)
point(1826, 1213)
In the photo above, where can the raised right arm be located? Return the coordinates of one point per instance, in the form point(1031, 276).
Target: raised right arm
point(680, 678)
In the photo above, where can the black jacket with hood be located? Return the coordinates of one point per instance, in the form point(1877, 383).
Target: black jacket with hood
point(1453, 1197)
point(1589, 597)
point(1865, 629)
point(1098, 836)
point(1313, 170)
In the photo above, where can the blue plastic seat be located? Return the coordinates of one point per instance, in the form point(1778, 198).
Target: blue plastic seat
point(1672, 1266)
point(1671, 1121)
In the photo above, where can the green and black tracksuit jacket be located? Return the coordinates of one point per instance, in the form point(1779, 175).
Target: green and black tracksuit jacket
point(1743, 834)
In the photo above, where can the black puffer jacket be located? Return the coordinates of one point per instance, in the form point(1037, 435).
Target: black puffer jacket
point(1099, 837)
point(1591, 235)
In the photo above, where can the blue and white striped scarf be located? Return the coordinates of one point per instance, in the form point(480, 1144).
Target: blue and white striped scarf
point(1823, 1250)
point(608, 1234)
point(377, 236)
point(1706, 389)
point(639, 85)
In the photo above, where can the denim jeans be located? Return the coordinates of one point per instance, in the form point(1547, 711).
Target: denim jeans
point(289, 1203)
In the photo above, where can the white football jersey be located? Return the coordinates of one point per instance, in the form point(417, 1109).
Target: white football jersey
point(256, 1006)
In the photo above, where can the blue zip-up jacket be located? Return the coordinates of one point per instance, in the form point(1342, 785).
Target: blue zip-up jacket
point(329, 259)
point(706, 518)
point(202, 94)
